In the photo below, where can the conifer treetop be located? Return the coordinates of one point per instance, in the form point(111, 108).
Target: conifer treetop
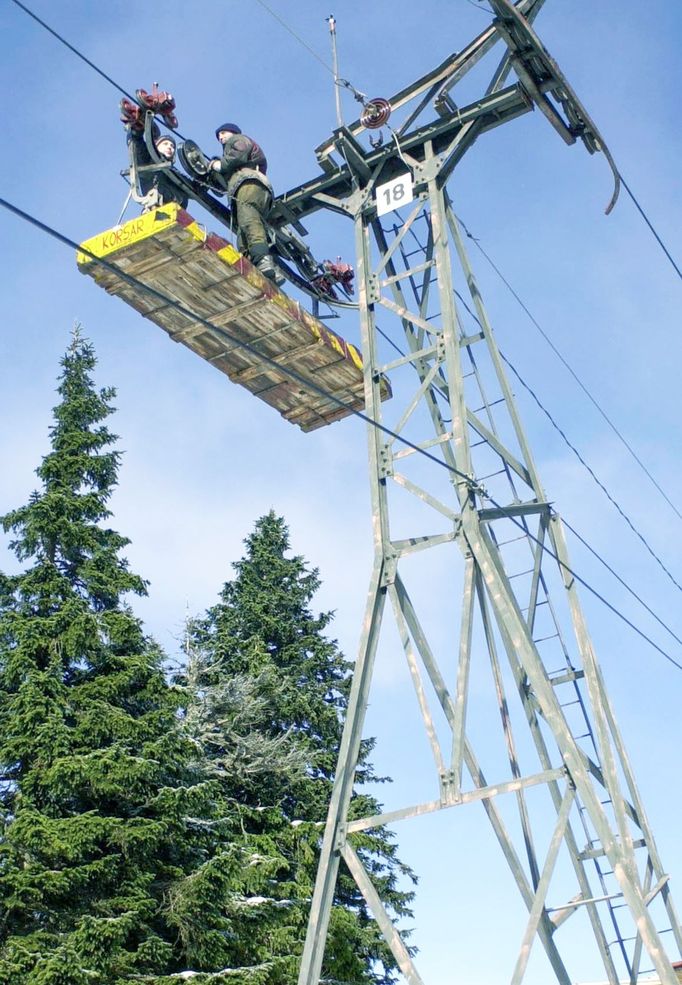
point(95, 781)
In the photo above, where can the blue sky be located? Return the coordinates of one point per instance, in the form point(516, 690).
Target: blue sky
point(203, 459)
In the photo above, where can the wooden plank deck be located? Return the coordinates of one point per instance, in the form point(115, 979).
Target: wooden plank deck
point(167, 250)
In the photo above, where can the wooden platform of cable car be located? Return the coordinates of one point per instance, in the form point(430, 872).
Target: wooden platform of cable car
point(167, 250)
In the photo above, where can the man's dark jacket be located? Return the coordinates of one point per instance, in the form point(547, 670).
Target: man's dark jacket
point(243, 160)
point(239, 151)
point(149, 179)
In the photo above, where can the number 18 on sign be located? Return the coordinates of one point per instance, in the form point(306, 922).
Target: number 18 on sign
point(395, 193)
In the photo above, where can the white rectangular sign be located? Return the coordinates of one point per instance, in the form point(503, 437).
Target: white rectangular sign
point(395, 193)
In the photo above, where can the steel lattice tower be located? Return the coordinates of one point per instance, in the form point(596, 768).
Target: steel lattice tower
point(478, 495)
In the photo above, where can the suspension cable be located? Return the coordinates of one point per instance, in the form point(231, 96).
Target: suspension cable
point(580, 458)
point(650, 225)
point(620, 579)
point(84, 58)
point(471, 482)
point(562, 359)
point(298, 38)
point(76, 52)
point(546, 337)
point(589, 469)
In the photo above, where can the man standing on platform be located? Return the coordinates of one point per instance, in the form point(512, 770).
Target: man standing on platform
point(244, 168)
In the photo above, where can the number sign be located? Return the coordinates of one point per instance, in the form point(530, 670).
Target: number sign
point(395, 193)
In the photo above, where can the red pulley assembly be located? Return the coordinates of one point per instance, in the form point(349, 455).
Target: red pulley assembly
point(336, 274)
point(131, 115)
point(159, 102)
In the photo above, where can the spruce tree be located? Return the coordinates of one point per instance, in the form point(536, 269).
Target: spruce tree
point(95, 787)
point(263, 629)
point(227, 914)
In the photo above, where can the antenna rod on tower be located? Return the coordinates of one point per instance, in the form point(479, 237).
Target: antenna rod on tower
point(331, 20)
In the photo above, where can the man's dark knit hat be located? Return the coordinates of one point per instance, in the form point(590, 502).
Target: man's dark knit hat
point(230, 127)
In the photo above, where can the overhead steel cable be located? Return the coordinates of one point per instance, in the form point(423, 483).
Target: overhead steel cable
point(580, 458)
point(551, 344)
point(650, 225)
point(562, 359)
point(620, 579)
point(292, 374)
point(298, 38)
point(338, 81)
point(582, 540)
point(84, 58)
point(76, 52)
point(591, 471)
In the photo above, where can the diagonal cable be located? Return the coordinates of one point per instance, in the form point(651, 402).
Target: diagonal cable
point(562, 359)
point(650, 225)
point(618, 578)
point(84, 58)
point(293, 33)
point(472, 484)
point(76, 52)
point(596, 478)
point(580, 458)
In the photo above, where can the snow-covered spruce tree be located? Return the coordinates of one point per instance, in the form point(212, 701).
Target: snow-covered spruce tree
point(94, 779)
point(263, 629)
point(221, 901)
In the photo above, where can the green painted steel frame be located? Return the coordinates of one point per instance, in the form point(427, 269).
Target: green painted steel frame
point(579, 784)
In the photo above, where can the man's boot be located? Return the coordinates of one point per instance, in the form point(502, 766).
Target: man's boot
point(267, 267)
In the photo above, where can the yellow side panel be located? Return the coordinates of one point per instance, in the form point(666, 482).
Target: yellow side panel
point(130, 232)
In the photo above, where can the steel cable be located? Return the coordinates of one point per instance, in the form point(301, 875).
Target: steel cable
point(580, 458)
point(572, 372)
point(596, 478)
point(472, 484)
point(91, 64)
point(79, 54)
point(556, 351)
point(650, 225)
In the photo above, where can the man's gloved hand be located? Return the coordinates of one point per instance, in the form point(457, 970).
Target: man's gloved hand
point(214, 164)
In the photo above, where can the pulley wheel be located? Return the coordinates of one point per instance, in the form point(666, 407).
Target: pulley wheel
point(193, 159)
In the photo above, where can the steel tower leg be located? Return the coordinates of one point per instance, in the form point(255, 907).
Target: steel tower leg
point(480, 497)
